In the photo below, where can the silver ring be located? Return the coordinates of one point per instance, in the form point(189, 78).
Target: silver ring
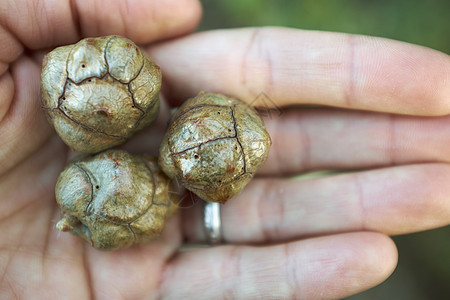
point(212, 222)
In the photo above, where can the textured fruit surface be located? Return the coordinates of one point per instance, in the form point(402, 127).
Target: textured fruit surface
point(214, 145)
point(98, 92)
point(114, 199)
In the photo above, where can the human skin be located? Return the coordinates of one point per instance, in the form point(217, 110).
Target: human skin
point(322, 238)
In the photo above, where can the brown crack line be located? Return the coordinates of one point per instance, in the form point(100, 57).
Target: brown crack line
point(59, 97)
point(237, 138)
point(132, 231)
point(135, 105)
point(86, 173)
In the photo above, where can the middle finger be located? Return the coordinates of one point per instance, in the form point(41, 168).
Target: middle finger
point(325, 138)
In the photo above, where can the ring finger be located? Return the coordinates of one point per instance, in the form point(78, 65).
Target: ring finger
point(277, 210)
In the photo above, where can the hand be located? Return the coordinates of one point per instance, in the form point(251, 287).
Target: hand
point(317, 238)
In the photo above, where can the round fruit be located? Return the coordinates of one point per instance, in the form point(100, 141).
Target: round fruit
point(98, 92)
point(214, 145)
point(114, 199)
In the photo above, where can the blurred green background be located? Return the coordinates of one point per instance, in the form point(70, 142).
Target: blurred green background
point(423, 271)
point(424, 22)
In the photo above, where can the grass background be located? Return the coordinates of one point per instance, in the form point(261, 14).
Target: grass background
point(423, 271)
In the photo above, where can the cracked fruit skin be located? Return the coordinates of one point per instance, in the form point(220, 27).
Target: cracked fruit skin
point(214, 145)
point(98, 92)
point(114, 199)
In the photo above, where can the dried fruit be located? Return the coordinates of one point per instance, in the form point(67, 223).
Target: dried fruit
point(100, 91)
point(114, 199)
point(214, 145)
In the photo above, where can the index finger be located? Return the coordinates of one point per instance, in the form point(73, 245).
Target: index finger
point(306, 67)
point(45, 24)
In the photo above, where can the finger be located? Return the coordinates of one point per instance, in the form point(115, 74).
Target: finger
point(396, 200)
point(296, 66)
point(42, 24)
point(328, 268)
point(23, 128)
point(311, 139)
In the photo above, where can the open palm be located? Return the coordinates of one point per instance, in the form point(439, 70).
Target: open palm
point(286, 238)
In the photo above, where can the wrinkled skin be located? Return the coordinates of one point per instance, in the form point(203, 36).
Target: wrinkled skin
point(99, 92)
point(114, 199)
point(288, 238)
point(214, 145)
